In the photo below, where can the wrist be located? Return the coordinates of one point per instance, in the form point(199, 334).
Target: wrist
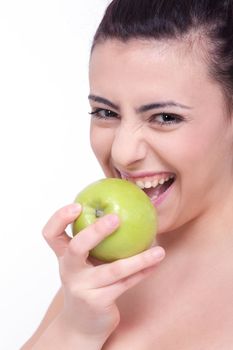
point(59, 335)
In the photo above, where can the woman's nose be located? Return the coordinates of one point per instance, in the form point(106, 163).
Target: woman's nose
point(128, 147)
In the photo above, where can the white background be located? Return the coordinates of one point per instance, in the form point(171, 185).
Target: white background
point(45, 157)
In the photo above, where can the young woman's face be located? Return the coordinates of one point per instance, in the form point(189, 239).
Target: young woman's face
point(157, 116)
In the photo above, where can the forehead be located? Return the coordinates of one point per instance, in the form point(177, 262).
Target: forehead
point(146, 53)
point(145, 68)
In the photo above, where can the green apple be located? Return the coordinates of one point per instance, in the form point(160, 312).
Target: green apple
point(138, 217)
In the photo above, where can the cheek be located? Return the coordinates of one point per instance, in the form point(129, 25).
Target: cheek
point(96, 142)
point(192, 147)
point(192, 156)
point(101, 142)
point(176, 150)
point(198, 158)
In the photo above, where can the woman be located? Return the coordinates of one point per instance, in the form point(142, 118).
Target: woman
point(161, 87)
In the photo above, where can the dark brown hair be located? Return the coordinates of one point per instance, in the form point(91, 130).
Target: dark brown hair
point(174, 19)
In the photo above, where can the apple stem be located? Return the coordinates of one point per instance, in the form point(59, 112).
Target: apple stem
point(99, 213)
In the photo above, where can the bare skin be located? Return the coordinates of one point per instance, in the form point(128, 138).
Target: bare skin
point(88, 314)
point(188, 299)
point(192, 307)
point(183, 301)
point(189, 305)
point(51, 314)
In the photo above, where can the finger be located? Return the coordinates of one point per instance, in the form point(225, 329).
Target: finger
point(54, 230)
point(109, 294)
point(89, 238)
point(108, 274)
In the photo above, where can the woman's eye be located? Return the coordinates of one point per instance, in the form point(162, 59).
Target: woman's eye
point(103, 113)
point(166, 119)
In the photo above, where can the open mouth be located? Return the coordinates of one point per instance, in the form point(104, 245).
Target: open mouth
point(155, 192)
point(154, 185)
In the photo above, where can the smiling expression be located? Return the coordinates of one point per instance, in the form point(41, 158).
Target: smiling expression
point(160, 121)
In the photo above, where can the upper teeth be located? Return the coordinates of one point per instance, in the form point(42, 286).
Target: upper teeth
point(152, 183)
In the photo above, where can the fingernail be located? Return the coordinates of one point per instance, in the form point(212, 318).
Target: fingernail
point(76, 208)
point(158, 253)
point(112, 220)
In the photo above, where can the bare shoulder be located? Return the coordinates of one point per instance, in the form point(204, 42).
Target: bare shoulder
point(52, 312)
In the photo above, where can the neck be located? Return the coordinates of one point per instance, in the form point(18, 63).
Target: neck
point(204, 233)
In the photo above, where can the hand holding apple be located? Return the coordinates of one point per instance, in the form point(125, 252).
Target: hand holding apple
point(138, 218)
point(93, 288)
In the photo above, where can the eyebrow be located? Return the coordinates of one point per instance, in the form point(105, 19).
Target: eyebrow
point(143, 108)
point(103, 100)
point(160, 105)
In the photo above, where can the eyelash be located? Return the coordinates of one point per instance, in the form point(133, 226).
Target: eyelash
point(175, 118)
point(96, 113)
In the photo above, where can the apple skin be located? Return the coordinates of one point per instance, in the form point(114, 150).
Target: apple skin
point(138, 217)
